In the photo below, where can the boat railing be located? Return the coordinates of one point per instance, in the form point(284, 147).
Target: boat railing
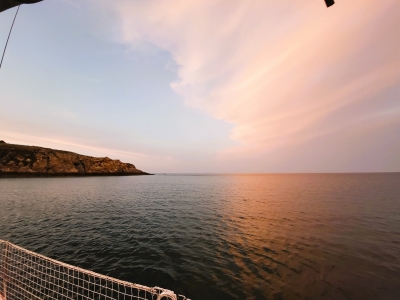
point(28, 275)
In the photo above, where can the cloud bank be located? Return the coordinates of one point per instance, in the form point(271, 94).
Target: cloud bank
point(293, 76)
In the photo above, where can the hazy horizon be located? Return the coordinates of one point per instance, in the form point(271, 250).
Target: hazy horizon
point(196, 87)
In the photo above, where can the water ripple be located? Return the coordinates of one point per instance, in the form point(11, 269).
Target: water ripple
point(330, 236)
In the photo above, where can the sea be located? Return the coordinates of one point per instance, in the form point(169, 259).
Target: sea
point(218, 236)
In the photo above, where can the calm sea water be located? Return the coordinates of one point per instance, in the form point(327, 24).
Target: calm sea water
point(302, 236)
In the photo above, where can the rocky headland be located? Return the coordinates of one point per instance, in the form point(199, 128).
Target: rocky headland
point(33, 161)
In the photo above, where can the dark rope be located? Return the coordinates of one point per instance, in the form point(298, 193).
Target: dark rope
point(9, 36)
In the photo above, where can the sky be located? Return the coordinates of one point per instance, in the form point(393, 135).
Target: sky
point(224, 86)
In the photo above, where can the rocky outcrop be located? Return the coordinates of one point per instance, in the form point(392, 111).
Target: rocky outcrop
point(19, 160)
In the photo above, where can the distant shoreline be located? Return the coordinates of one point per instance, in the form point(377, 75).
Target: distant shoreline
point(34, 161)
point(48, 175)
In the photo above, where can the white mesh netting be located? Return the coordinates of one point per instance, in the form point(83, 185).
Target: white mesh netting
point(27, 275)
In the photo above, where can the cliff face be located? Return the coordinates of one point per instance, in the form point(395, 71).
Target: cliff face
point(18, 160)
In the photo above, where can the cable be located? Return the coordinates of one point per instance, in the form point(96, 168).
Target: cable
point(9, 36)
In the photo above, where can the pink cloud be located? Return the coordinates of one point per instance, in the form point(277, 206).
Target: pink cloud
point(276, 69)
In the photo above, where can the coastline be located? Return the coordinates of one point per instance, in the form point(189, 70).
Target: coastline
point(48, 175)
point(34, 161)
